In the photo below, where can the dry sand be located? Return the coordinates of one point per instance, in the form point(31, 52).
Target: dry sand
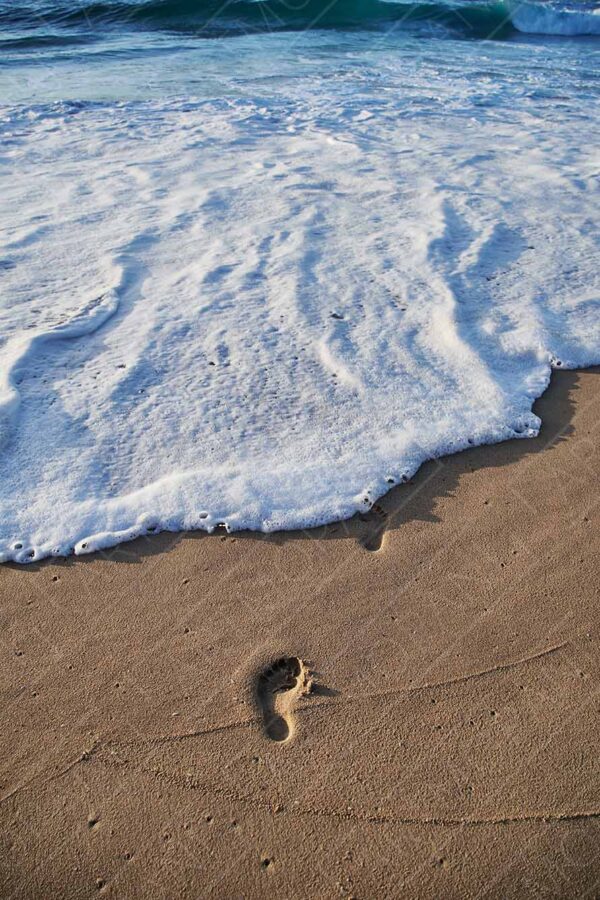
point(449, 746)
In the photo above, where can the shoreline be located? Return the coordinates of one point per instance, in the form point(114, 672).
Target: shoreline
point(448, 747)
point(375, 515)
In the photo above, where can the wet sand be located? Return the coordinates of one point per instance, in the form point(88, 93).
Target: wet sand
point(437, 734)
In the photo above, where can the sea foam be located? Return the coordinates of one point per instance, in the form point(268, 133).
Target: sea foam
point(263, 311)
point(540, 18)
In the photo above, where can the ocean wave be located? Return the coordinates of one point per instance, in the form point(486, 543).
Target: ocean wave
point(212, 18)
point(535, 18)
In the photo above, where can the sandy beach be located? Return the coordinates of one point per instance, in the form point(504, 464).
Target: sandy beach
point(448, 746)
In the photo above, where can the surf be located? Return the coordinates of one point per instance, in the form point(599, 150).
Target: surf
point(255, 282)
point(212, 18)
point(403, 294)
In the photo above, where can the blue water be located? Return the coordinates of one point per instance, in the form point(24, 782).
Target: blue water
point(259, 261)
point(80, 49)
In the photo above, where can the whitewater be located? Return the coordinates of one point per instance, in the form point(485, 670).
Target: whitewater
point(256, 280)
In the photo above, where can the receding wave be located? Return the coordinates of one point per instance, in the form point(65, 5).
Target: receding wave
point(214, 18)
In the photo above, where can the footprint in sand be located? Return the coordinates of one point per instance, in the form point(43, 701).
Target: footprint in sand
point(375, 522)
point(279, 686)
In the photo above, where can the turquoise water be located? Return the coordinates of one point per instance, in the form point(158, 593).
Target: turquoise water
point(154, 48)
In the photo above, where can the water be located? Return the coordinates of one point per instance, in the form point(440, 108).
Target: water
point(259, 261)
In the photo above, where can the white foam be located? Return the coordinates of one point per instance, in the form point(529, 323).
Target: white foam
point(298, 304)
point(18, 349)
point(539, 18)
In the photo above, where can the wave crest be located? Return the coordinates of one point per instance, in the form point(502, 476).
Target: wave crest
point(213, 18)
point(533, 18)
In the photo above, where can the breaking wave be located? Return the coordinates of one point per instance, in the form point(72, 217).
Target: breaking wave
point(213, 18)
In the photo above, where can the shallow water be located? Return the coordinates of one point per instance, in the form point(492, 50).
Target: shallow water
point(255, 277)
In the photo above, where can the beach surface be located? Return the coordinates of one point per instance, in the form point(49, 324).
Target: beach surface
point(448, 746)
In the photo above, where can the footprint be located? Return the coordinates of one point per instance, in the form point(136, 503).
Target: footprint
point(279, 686)
point(376, 523)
